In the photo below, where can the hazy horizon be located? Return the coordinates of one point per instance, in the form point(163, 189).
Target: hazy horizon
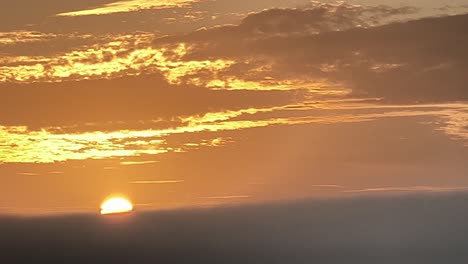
point(411, 228)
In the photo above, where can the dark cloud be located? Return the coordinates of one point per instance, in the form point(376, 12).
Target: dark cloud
point(433, 62)
point(403, 62)
point(321, 18)
point(427, 228)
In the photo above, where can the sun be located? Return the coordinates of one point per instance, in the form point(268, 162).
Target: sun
point(116, 205)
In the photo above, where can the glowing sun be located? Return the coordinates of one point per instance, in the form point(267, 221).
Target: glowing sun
point(116, 205)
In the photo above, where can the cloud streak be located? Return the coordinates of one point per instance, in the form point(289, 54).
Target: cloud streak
point(22, 145)
point(27, 173)
point(410, 189)
point(129, 6)
point(157, 182)
point(227, 197)
point(129, 163)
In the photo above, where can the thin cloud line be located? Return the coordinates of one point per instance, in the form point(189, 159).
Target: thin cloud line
point(410, 189)
point(328, 186)
point(127, 163)
point(227, 197)
point(156, 182)
point(28, 173)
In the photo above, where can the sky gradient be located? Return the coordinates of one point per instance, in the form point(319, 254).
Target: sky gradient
point(190, 103)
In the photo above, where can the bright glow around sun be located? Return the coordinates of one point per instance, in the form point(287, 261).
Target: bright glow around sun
point(116, 205)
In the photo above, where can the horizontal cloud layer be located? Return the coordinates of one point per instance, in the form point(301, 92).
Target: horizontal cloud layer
point(402, 229)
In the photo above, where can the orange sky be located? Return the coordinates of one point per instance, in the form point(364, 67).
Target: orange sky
point(208, 103)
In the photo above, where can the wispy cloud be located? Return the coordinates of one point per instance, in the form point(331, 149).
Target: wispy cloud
point(157, 182)
point(28, 173)
point(15, 37)
point(411, 189)
point(227, 197)
point(129, 6)
point(328, 186)
point(111, 168)
point(23, 145)
point(128, 163)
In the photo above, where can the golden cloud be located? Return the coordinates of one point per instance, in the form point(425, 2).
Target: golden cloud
point(127, 55)
point(18, 144)
point(129, 6)
point(14, 37)
point(134, 54)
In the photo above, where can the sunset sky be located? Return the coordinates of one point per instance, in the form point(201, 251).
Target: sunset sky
point(200, 103)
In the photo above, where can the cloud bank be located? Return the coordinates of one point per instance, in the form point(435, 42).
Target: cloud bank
point(389, 229)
